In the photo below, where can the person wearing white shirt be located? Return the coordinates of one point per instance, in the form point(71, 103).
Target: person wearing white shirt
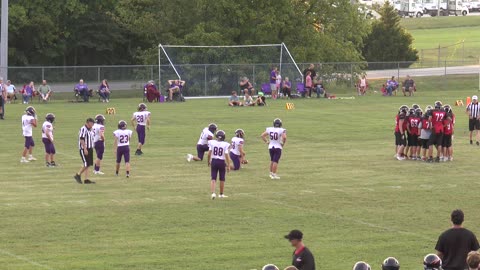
point(219, 162)
point(275, 137)
point(121, 146)
point(29, 121)
point(11, 90)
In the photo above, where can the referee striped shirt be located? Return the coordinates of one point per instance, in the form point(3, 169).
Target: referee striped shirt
point(473, 109)
point(86, 135)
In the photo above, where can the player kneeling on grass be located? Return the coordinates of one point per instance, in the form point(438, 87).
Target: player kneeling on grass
point(219, 162)
point(29, 120)
point(447, 136)
point(121, 146)
point(237, 155)
point(47, 139)
point(390, 263)
point(99, 141)
point(276, 137)
point(202, 144)
point(142, 119)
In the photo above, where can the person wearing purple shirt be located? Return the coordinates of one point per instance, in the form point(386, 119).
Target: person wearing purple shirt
point(175, 87)
point(28, 92)
point(104, 91)
point(273, 79)
point(392, 85)
point(287, 88)
point(82, 89)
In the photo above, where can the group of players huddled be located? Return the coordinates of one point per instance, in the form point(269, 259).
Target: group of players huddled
point(418, 132)
point(222, 154)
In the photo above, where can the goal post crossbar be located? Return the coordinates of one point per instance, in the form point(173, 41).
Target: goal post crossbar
point(220, 46)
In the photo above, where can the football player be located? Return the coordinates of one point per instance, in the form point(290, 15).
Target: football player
point(202, 144)
point(237, 154)
point(400, 128)
point(432, 262)
point(407, 150)
point(453, 125)
point(425, 131)
point(99, 141)
point(47, 139)
point(121, 146)
point(219, 161)
point(270, 267)
point(142, 119)
point(436, 119)
point(361, 266)
point(413, 133)
point(275, 137)
point(29, 121)
point(390, 263)
point(447, 136)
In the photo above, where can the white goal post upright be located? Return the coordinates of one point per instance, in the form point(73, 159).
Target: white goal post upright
point(163, 49)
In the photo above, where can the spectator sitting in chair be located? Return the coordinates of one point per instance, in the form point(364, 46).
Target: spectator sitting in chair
point(28, 92)
point(11, 91)
point(151, 92)
point(286, 88)
point(409, 86)
point(248, 100)
point(234, 100)
point(260, 101)
point(81, 89)
point(392, 85)
point(44, 90)
point(104, 91)
point(246, 86)
point(175, 87)
point(320, 89)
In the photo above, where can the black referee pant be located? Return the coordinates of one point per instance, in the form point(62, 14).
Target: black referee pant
point(87, 160)
point(2, 105)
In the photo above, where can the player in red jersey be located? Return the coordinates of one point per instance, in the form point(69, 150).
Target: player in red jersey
point(400, 128)
point(436, 118)
point(411, 113)
point(413, 133)
point(448, 127)
point(448, 107)
point(425, 131)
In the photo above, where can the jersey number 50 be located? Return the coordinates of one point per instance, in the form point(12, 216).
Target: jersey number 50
point(273, 136)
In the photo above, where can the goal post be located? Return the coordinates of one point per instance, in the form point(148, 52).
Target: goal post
point(216, 70)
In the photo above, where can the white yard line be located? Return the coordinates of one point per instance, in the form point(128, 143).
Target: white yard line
point(24, 259)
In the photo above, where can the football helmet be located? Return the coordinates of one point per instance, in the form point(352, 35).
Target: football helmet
point(30, 111)
point(122, 124)
point(277, 122)
point(428, 108)
point(142, 107)
point(415, 106)
point(220, 135)
point(411, 111)
point(390, 263)
point(361, 266)
point(99, 119)
point(418, 112)
point(270, 267)
point(212, 127)
point(239, 133)
point(432, 262)
point(403, 107)
point(50, 117)
point(438, 104)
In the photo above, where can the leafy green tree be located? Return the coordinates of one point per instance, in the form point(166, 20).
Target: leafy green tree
point(389, 41)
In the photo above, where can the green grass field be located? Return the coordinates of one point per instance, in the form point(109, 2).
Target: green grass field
point(340, 185)
point(429, 33)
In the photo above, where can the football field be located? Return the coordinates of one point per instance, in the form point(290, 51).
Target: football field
point(339, 184)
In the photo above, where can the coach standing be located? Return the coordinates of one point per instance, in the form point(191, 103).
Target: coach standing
point(302, 257)
point(455, 243)
point(473, 116)
point(85, 145)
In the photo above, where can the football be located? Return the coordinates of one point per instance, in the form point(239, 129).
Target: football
point(244, 161)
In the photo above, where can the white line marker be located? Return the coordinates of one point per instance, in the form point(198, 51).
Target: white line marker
point(25, 259)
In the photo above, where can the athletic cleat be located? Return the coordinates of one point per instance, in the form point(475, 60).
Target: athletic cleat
point(48, 164)
point(78, 179)
point(430, 160)
point(23, 160)
point(272, 176)
point(128, 175)
point(53, 164)
point(31, 158)
point(98, 172)
point(478, 143)
point(213, 196)
point(222, 196)
point(276, 177)
point(88, 182)
point(189, 157)
point(400, 158)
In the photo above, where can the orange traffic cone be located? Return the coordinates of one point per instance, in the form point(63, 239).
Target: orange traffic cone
point(469, 100)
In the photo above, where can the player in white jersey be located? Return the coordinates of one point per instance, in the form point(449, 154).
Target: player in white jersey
point(99, 141)
point(121, 146)
point(47, 139)
point(237, 154)
point(29, 121)
point(219, 162)
point(142, 119)
point(276, 137)
point(202, 144)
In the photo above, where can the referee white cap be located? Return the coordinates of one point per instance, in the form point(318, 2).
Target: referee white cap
point(475, 98)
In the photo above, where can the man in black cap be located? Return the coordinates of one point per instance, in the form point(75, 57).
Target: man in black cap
point(302, 257)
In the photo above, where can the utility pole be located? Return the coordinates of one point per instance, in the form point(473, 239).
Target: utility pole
point(4, 41)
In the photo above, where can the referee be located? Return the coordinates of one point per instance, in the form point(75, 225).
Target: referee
point(302, 257)
point(85, 145)
point(473, 116)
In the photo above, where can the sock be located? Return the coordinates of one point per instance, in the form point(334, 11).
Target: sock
point(116, 172)
point(128, 172)
point(97, 168)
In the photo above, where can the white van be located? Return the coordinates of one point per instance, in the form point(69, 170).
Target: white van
point(431, 6)
point(411, 9)
point(456, 7)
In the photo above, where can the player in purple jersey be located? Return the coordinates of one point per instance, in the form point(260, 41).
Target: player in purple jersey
point(121, 146)
point(219, 162)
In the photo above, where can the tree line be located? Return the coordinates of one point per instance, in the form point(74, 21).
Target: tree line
point(117, 32)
